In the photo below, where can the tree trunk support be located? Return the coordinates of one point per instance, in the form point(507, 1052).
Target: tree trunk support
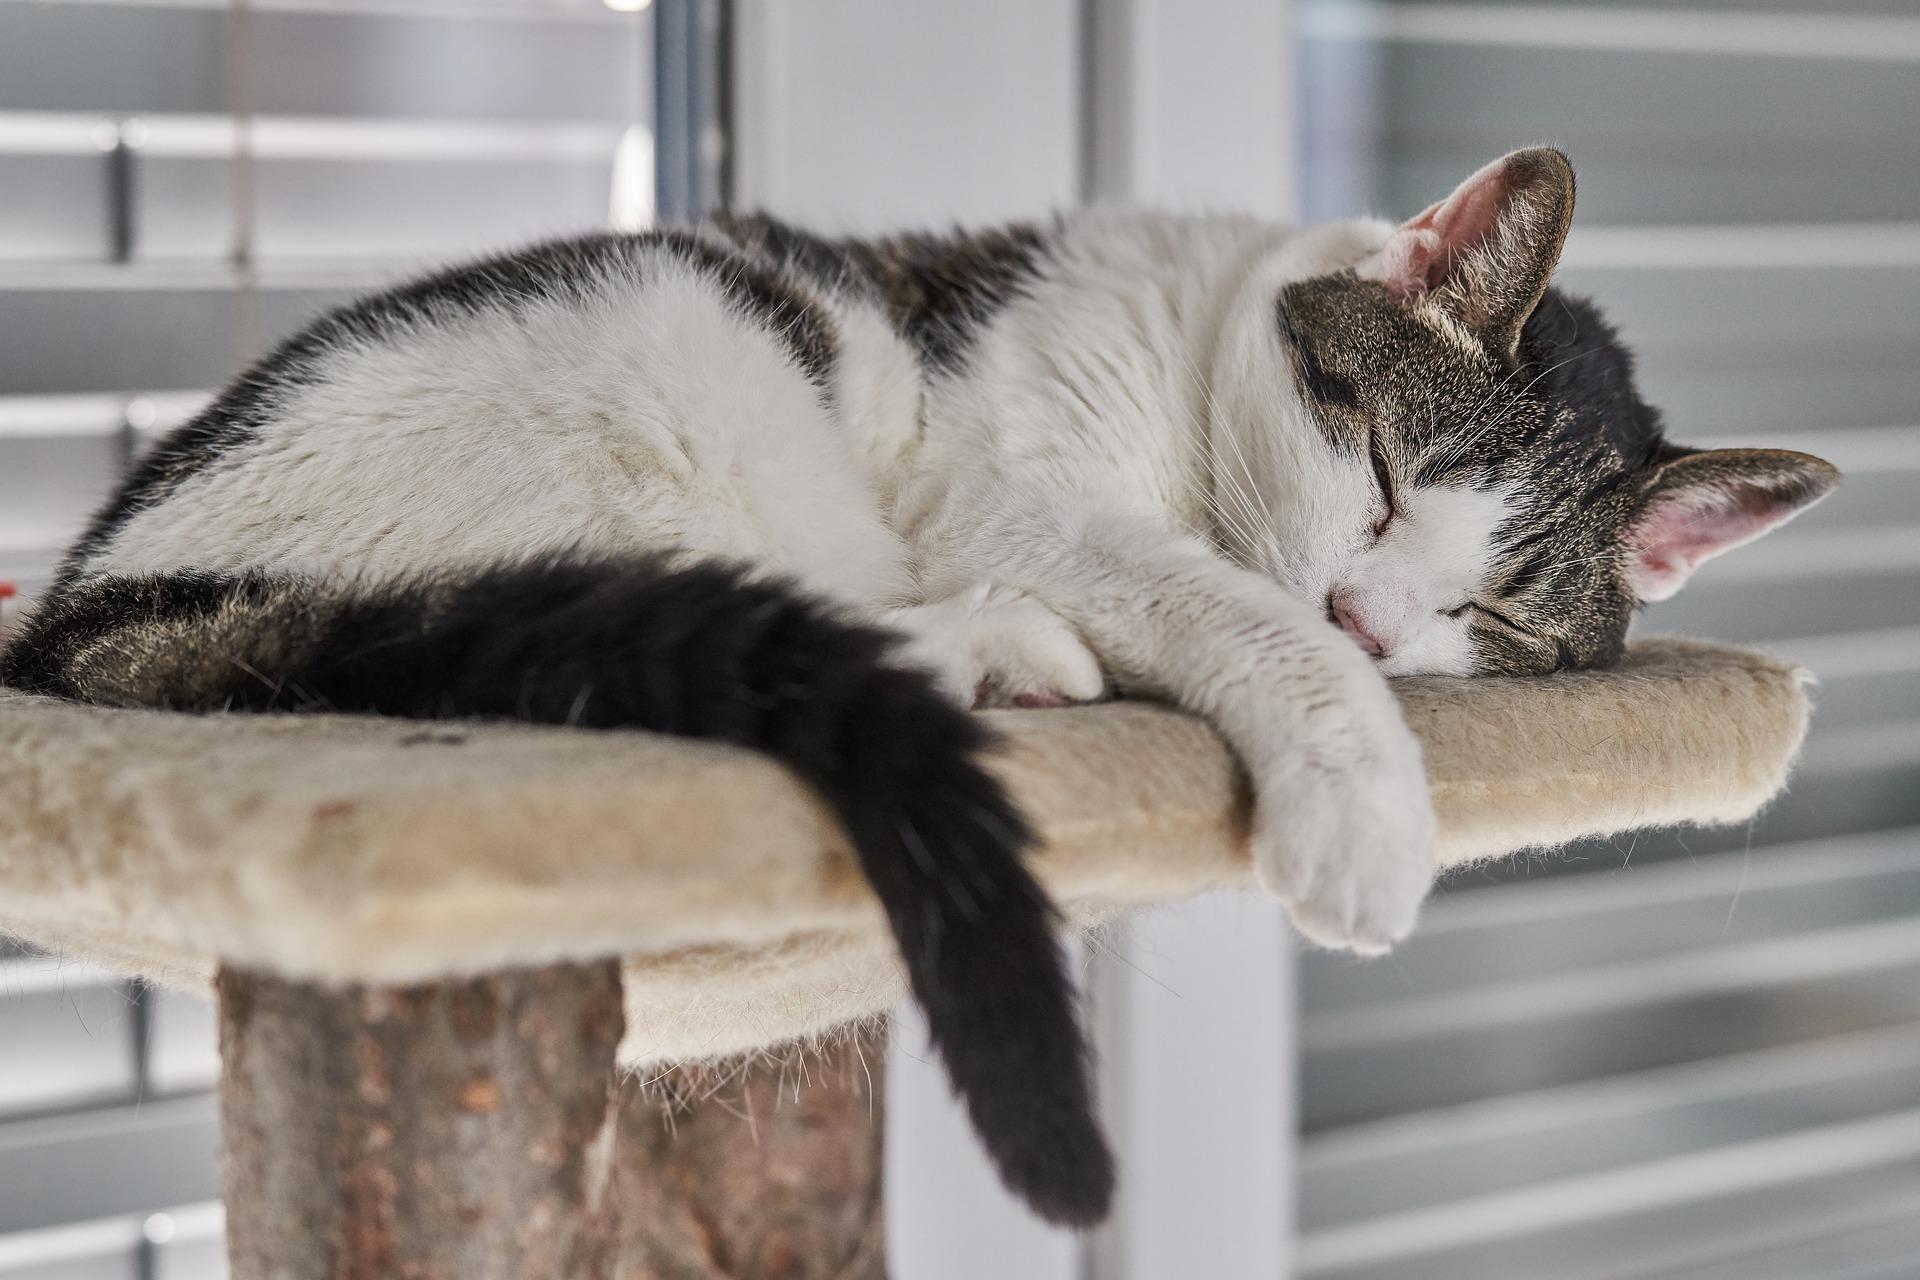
point(769, 1170)
point(452, 1131)
point(474, 1130)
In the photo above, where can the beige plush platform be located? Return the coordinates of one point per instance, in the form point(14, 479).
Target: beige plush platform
point(351, 848)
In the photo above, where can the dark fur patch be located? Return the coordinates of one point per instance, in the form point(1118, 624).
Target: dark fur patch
point(1575, 362)
point(1329, 390)
point(940, 290)
point(700, 652)
point(943, 290)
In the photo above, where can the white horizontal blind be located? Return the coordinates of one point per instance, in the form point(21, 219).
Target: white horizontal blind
point(1696, 1057)
point(185, 183)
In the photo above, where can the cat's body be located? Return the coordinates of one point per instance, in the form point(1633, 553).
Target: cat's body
point(1115, 449)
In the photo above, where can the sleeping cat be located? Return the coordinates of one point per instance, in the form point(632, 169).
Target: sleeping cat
point(816, 497)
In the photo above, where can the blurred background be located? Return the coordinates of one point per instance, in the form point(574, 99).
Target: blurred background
point(1680, 1055)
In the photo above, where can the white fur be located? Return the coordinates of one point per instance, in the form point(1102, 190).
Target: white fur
point(1124, 477)
point(994, 646)
point(651, 417)
point(1404, 587)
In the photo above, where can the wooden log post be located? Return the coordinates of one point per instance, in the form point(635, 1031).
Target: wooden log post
point(764, 1170)
point(459, 1130)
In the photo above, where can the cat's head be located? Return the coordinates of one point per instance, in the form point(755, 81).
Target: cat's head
point(1415, 432)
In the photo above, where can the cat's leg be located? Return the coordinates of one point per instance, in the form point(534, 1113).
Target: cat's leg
point(991, 645)
point(1344, 825)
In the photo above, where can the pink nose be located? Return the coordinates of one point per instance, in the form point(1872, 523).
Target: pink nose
point(1341, 611)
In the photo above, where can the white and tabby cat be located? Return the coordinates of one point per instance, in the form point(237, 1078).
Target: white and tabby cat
point(695, 480)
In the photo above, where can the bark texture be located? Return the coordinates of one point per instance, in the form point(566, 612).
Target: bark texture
point(768, 1170)
point(452, 1131)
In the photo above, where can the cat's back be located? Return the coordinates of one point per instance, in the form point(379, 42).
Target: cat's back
point(551, 397)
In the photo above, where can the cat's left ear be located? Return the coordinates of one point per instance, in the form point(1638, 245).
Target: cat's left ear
point(1487, 251)
point(1699, 504)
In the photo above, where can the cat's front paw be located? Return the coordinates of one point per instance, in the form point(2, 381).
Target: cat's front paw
point(1026, 655)
point(994, 646)
point(1346, 839)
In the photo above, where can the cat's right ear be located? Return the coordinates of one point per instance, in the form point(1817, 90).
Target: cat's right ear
point(1487, 251)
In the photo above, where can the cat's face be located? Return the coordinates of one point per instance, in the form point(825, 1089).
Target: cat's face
point(1415, 432)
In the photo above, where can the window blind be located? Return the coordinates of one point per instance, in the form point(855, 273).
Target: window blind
point(1687, 1054)
point(187, 182)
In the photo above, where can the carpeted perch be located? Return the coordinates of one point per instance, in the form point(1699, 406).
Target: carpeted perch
point(382, 885)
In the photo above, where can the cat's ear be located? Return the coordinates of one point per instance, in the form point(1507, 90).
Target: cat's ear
point(1699, 504)
point(1487, 251)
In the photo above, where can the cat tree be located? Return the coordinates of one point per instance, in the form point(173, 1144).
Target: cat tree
point(435, 945)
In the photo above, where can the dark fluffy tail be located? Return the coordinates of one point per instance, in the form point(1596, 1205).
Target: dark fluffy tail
point(701, 652)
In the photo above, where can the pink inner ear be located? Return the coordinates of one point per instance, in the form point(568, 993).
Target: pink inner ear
point(1413, 262)
point(1675, 535)
point(1418, 257)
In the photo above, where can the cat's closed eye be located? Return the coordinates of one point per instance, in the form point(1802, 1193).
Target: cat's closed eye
point(1383, 475)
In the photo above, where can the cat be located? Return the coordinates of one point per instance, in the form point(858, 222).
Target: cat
point(817, 496)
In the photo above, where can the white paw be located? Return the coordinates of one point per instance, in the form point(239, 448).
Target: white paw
point(1026, 655)
point(993, 646)
point(1346, 837)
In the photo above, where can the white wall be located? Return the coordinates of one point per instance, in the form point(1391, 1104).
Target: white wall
point(857, 115)
point(1192, 104)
